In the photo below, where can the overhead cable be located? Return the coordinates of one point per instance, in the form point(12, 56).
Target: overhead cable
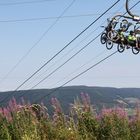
point(91, 67)
point(66, 46)
point(66, 61)
point(24, 2)
point(36, 43)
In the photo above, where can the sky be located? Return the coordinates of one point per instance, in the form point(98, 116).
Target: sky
point(18, 35)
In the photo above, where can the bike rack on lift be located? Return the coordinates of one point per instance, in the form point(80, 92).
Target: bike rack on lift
point(110, 37)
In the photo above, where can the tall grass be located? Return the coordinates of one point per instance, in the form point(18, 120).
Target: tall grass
point(32, 122)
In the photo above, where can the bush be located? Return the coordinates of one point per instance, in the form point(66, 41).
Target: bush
point(32, 122)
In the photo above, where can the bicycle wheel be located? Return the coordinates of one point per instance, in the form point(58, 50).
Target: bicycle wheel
point(124, 25)
point(135, 50)
point(113, 35)
point(121, 48)
point(103, 38)
point(109, 44)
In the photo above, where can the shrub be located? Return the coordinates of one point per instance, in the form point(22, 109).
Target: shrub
point(32, 122)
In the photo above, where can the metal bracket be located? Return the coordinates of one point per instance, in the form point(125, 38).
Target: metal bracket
point(134, 17)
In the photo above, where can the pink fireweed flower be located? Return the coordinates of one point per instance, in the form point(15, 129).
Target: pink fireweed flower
point(12, 105)
point(7, 114)
point(56, 105)
point(44, 110)
point(86, 102)
point(106, 112)
point(119, 112)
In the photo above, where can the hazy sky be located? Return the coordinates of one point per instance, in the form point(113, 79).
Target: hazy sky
point(18, 37)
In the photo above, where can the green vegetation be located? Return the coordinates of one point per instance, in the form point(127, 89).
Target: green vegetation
point(32, 122)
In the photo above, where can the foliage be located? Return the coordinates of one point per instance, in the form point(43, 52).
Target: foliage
point(32, 122)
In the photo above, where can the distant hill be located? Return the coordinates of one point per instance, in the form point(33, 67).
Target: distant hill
point(100, 96)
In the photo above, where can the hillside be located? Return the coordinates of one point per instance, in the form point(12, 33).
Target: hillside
point(100, 96)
